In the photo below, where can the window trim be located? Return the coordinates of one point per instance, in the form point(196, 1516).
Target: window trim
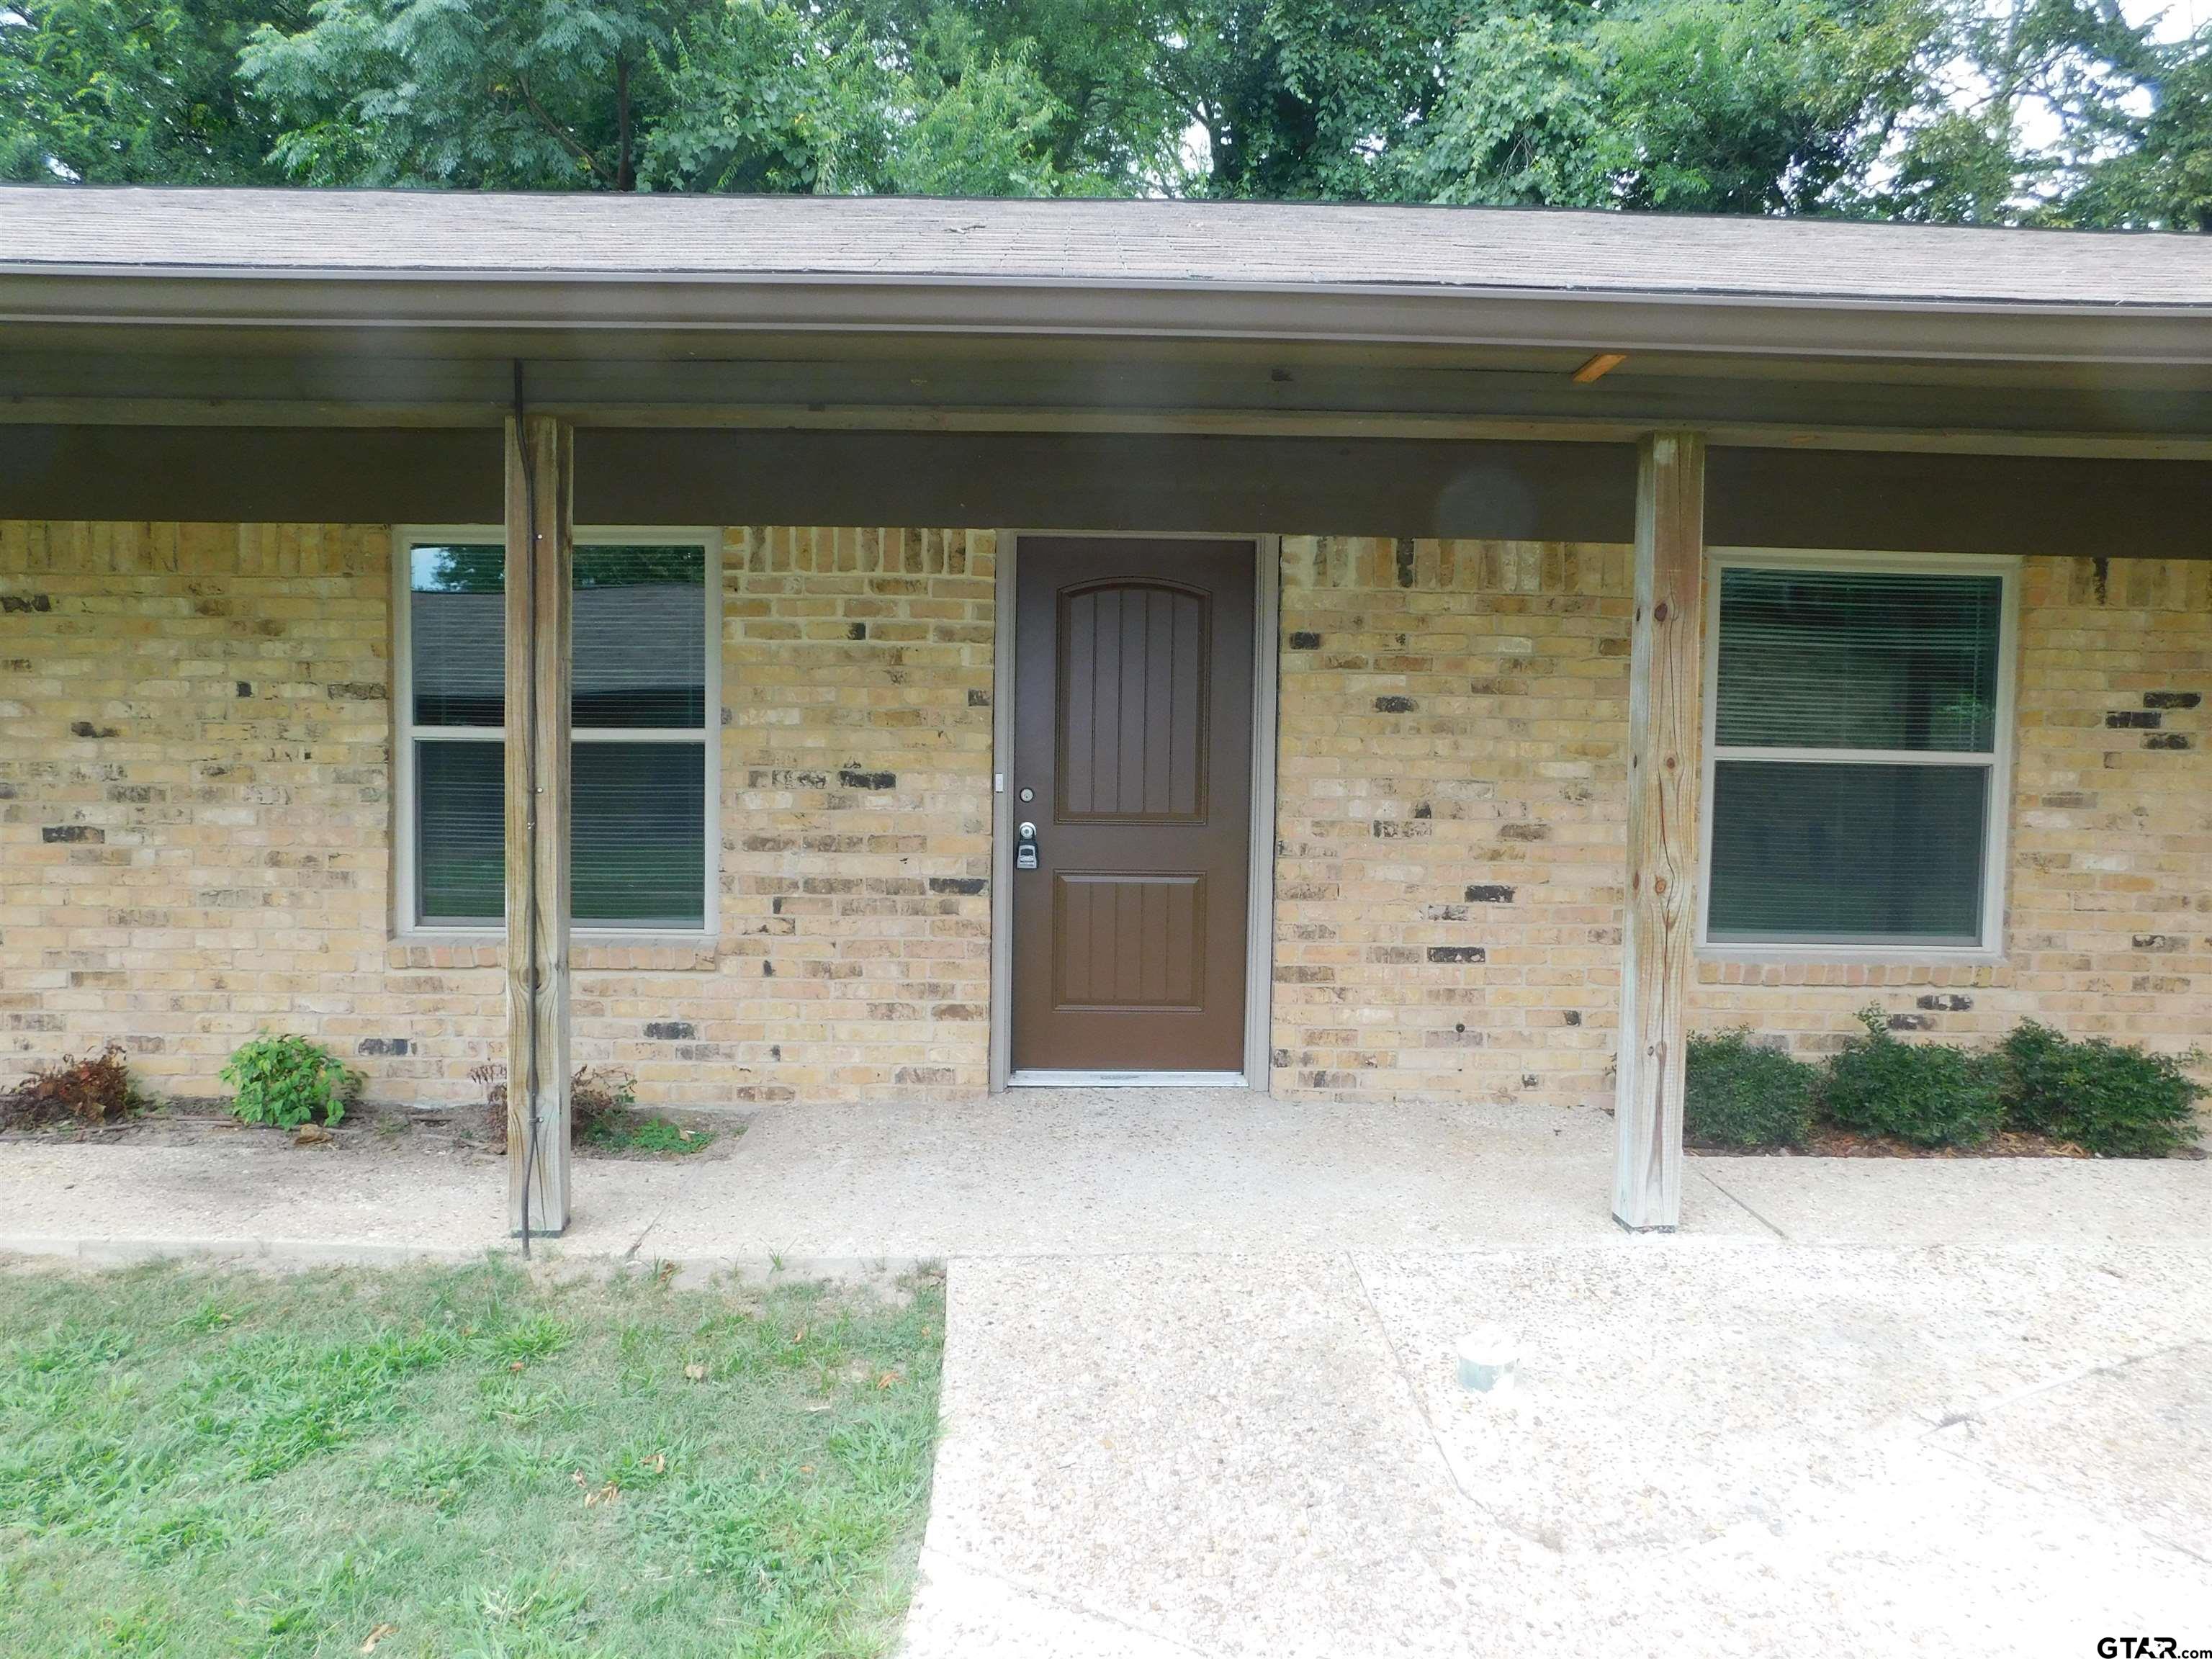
point(405, 733)
point(1997, 761)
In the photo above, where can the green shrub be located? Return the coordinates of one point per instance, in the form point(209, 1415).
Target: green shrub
point(1738, 1094)
point(2112, 1101)
point(289, 1081)
point(1927, 1093)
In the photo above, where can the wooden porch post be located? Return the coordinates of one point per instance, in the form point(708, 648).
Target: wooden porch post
point(1666, 736)
point(540, 552)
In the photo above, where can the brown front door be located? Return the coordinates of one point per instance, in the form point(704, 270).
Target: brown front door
point(1132, 758)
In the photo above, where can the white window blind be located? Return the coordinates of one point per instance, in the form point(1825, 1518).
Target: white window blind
point(1855, 755)
point(639, 769)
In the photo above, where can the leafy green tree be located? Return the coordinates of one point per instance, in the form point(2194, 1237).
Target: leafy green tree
point(513, 94)
point(981, 126)
point(2056, 112)
point(2134, 115)
point(132, 92)
point(1302, 98)
point(1702, 105)
point(1110, 125)
point(765, 98)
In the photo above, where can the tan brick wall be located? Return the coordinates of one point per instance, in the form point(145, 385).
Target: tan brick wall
point(195, 821)
point(1451, 819)
point(1452, 826)
point(195, 834)
point(2108, 901)
point(194, 793)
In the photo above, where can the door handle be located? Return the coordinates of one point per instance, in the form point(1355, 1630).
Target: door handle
point(1025, 847)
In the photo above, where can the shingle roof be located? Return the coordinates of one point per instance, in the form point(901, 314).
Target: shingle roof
point(1142, 244)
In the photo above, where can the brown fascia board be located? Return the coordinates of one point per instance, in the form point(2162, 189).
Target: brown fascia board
point(1737, 323)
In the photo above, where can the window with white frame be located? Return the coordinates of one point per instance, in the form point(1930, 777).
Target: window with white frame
point(640, 764)
point(1857, 716)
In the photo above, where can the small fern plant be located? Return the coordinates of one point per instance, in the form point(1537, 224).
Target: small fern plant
point(287, 1081)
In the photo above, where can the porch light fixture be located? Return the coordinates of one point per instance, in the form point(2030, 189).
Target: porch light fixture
point(1599, 366)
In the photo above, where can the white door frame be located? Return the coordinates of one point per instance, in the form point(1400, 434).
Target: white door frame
point(1259, 902)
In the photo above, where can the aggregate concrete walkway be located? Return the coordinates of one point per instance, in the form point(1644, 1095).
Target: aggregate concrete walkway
point(1199, 1397)
point(1718, 1448)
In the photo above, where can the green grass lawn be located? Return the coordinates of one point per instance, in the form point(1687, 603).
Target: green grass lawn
point(457, 1462)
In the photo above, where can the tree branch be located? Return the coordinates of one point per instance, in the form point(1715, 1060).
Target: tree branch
point(559, 134)
point(625, 164)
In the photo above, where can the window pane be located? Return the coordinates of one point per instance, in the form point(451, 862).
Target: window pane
point(639, 836)
point(1858, 660)
point(1870, 855)
point(457, 621)
point(640, 636)
point(460, 816)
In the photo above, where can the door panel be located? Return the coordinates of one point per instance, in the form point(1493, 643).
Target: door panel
point(1133, 737)
point(1129, 941)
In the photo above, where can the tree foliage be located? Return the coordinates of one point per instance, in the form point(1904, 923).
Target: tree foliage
point(133, 91)
point(2059, 111)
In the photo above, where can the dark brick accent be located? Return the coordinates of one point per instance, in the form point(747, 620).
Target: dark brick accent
point(356, 690)
point(13, 603)
point(978, 698)
point(1490, 892)
point(381, 1046)
point(853, 780)
point(2167, 740)
point(857, 631)
point(2173, 699)
point(1946, 1002)
point(1911, 1023)
point(71, 832)
point(2159, 942)
point(1572, 1017)
point(246, 688)
point(1405, 550)
point(1524, 832)
point(2124, 719)
point(1301, 641)
point(671, 1030)
point(1393, 705)
point(87, 729)
point(967, 885)
point(1458, 953)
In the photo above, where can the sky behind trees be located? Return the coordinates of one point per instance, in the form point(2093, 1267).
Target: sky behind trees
point(2095, 113)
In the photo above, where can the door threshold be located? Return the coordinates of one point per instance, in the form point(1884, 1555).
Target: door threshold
point(1037, 1079)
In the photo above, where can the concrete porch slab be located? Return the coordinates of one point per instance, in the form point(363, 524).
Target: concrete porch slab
point(1028, 1173)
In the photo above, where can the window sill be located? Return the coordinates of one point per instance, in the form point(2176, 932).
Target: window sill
point(588, 951)
point(1849, 955)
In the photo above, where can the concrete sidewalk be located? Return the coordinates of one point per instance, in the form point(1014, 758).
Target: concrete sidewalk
point(1101, 1172)
point(1199, 1395)
point(1717, 1447)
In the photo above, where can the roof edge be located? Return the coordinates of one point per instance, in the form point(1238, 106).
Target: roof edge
point(1747, 323)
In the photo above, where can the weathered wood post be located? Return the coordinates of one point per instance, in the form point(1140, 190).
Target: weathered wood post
point(1666, 735)
point(540, 553)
